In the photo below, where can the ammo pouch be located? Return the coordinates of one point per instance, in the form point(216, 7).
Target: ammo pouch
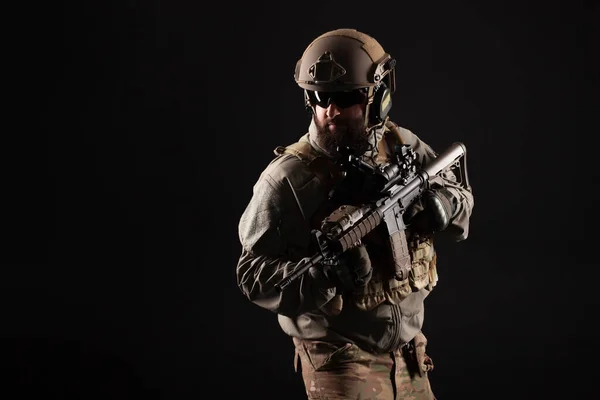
point(423, 274)
point(423, 261)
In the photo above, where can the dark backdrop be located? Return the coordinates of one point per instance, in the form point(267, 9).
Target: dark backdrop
point(134, 132)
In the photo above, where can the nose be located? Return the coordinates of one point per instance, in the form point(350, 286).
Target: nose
point(332, 110)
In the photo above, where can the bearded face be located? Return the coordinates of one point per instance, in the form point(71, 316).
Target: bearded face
point(340, 119)
point(337, 127)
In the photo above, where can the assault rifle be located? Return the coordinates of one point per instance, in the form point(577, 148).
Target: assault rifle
point(401, 184)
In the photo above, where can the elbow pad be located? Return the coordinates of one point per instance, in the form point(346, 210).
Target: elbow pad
point(441, 206)
point(438, 210)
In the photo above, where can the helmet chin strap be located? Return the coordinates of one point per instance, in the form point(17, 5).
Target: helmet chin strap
point(307, 104)
point(367, 112)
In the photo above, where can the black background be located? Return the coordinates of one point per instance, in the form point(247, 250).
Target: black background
point(133, 134)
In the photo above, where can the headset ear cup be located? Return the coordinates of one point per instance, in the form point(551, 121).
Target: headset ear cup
point(381, 105)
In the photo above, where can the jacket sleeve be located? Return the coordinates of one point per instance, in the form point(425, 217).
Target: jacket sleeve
point(270, 221)
point(463, 198)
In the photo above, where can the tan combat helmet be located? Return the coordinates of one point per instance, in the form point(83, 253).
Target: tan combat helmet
point(345, 60)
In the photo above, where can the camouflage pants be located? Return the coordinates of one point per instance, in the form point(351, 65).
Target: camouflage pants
point(332, 372)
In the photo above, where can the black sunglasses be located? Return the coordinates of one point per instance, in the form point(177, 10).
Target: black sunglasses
point(340, 99)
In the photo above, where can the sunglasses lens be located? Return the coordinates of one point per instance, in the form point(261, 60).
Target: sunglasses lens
point(340, 99)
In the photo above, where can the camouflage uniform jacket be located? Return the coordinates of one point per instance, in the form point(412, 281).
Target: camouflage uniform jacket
point(274, 231)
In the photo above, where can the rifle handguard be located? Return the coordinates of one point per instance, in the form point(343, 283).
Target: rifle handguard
point(360, 230)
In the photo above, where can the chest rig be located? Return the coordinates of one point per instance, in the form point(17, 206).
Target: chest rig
point(384, 284)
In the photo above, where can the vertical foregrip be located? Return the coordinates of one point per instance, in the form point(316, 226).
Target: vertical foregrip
point(360, 230)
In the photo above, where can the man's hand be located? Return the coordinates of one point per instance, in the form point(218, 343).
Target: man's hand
point(351, 270)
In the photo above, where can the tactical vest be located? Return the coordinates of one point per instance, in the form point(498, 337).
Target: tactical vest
point(383, 285)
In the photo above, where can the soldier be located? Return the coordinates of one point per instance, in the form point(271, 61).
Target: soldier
point(355, 325)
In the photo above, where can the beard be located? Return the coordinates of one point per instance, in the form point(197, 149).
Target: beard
point(349, 132)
